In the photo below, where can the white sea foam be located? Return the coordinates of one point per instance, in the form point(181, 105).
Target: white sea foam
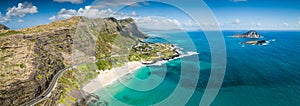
point(159, 63)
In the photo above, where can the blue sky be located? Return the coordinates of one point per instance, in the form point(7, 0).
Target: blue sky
point(230, 14)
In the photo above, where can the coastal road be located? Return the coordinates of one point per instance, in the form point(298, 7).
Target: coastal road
point(53, 83)
point(51, 86)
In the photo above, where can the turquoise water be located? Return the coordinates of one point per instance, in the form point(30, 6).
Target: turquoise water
point(255, 75)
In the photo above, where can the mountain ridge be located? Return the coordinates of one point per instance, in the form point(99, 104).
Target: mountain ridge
point(3, 27)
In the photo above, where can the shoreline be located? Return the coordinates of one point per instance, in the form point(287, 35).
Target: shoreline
point(108, 77)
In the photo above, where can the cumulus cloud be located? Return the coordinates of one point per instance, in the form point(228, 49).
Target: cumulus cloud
point(88, 11)
point(53, 18)
point(157, 23)
point(116, 3)
point(21, 10)
point(20, 21)
point(189, 23)
point(237, 21)
point(147, 22)
point(64, 13)
point(71, 1)
point(3, 18)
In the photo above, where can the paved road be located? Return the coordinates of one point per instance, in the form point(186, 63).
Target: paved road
point(53, 83)
point(52, 86)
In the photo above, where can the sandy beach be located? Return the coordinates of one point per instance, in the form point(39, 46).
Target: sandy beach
point(107, 77)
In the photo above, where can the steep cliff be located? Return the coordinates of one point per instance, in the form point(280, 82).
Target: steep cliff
point(3, 27)
point(30, 57)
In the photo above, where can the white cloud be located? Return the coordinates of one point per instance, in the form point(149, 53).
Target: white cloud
point(18, 11)
point(257, 24)
point(53, 18)
point(64, 14)
point(133, 13)
point(71, 1)
point(239, 0)
point(149, 22)
point(189, 23)
point(21, 10)
point(3, 18)
point(20, 21)
point(254, 24)
point(237, 21)
point(157, 23)
point(90, 12)
point(285, 24)
point(116, 3)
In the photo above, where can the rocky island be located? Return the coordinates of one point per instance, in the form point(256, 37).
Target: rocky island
point(48, 65)
point(249, 34)
point(256, 42)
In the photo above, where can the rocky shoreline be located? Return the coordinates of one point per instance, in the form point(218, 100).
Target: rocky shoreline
point(175, 49)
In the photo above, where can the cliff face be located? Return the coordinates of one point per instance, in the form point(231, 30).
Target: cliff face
point(30, 57)
point(3, 27)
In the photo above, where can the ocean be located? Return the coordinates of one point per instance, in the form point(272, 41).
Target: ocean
point(254, 76)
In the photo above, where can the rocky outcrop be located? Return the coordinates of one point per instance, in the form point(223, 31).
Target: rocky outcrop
point(30, 57)
point(249, 34)
point(256, 42)
point(3, 27)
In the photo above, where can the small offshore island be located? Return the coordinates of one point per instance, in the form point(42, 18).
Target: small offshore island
point(253, 35)
point(32, 59)
point(249, 34)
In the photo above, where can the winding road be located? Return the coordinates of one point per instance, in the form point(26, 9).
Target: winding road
point(51, 86)
point(53, 83)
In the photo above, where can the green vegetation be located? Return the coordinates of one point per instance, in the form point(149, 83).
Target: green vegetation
point(86, 73)
point(139, 57)
point(74, 79)
point(22, 66)
point(104, 45)
point(149, 52)
point(2, 58)
point(10, 32)
point(39, 77)
point(104, 64)
point(69, 83)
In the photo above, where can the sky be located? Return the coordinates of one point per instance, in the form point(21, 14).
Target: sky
point(159, 15)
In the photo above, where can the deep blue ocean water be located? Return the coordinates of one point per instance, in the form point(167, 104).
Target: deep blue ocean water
point(255, 75)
